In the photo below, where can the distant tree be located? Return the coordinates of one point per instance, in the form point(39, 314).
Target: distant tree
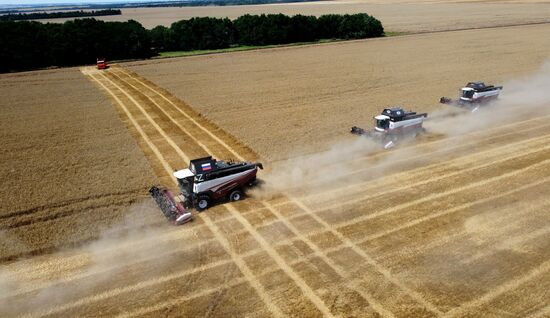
point(328, 25)
point(249, 29)
point(358, 26)
point(28, 45)
point(162, 39)
point(202, 33)
point(303, 29)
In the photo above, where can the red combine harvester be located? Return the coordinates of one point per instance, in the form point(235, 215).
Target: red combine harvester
point(206, 181)
point(102, 64)
point(393, 125)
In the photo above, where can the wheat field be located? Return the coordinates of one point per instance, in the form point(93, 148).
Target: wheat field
point(453, 224)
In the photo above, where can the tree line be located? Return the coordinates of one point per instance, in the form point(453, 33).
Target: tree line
point(54, 15)
point(257, 30)
point(26, 45)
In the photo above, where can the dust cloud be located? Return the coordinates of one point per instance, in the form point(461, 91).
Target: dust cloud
point(128, 242)
point(521, 99)
point(359, 159)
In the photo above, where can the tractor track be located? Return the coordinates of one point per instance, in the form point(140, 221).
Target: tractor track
point(447, 165)
point(274, 255)
point(513, 283)
point(251, 229)
point(236, 258)
point(259, 238)
point(305, 288)
point(454, 162)
point(49, 215)
point(371, 254)
point(62, 204)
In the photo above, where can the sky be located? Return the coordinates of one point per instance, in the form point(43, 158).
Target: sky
point(31, 2)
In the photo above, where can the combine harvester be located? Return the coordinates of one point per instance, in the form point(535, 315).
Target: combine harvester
point(474, 95)
point(102, 64)
point(392, 125)
point(205, 181)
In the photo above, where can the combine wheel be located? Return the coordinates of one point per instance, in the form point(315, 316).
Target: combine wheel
point(203, 202)
point(236, 195)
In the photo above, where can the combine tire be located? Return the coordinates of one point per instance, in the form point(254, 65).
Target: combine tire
point(203, 203)
point(236, 195)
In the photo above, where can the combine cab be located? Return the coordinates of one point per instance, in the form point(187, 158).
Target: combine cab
point(206, 181)
point(393, 125)
point(474, 95)
point(102, 64)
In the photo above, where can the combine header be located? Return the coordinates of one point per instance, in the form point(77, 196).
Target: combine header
point(170, 207)
point(393, 125)
point(474, 95)
point(207, 180)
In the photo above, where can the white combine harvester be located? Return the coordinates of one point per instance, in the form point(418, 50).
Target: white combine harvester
point(393, 125)
point(473, 95)
point(207, 180)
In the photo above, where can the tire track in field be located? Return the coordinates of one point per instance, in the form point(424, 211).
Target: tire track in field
point(88, 274)
point(66, 203)
point(208, 150)
point(370, 260)
point(407, 226)
point(13, 224)
point(511, 241)
point(265, 245)
point(302, 284)
point(453, 231)
point(461, 208)
point(512, 284)
point(151, 120)
point(208, 132)
point(317, 253)
point(329, 262)
point(379, 308)
point(469, 137)
point(456, 166)
point(176, 301)
point(358, 250)
point(214, 228)
point(127, 289)
point(436, 195)
point(544, 312)
point(410, 158)
point(159, 107)
point(446, 239)
point(135, 125)
point(503, 159)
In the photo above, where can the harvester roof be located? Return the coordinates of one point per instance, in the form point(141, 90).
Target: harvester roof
point(479, 86)
point(397, 113)
point(209, 165)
